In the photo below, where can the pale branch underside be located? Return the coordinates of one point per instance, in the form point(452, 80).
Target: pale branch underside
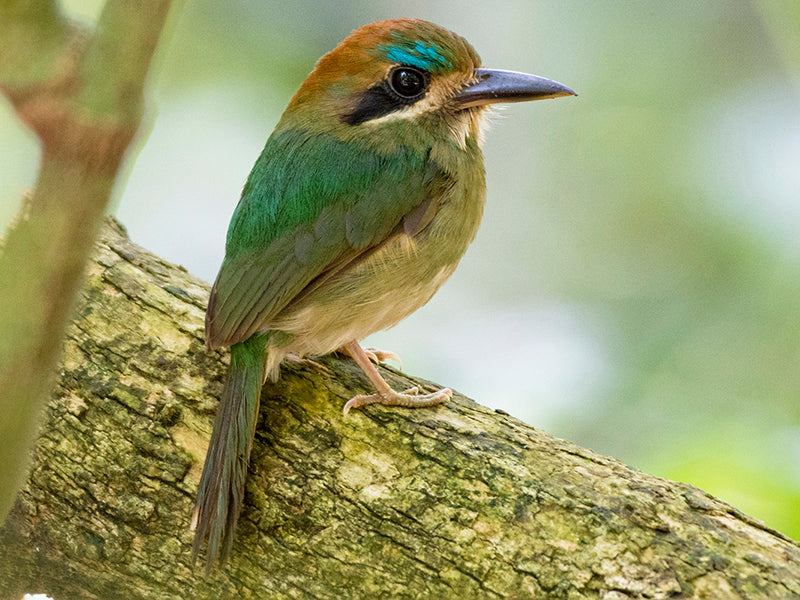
point(456, 501)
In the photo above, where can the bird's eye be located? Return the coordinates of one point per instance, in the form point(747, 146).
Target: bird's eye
point(408, 82)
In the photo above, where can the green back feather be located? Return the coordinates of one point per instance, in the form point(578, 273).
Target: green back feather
point(311, 201)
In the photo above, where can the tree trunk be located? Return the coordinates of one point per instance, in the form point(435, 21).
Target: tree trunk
point(454, 502)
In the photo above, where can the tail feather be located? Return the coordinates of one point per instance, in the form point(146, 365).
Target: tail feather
point(220, 494)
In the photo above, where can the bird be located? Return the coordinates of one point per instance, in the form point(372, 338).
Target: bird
point(361, 204)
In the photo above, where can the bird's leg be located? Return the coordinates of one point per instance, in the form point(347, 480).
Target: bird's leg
point(376, 355)
point(385, 394)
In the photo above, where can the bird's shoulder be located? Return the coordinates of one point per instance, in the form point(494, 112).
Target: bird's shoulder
point(310, 202)
point(300, 175)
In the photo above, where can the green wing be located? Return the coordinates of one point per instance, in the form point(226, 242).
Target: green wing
point(311, 205)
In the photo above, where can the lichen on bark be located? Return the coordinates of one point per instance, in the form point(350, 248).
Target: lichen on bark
point(453, 501)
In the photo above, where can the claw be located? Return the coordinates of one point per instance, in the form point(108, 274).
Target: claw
point(410, 398)
point(378, 356)
point(375, 355)
point(383, 393)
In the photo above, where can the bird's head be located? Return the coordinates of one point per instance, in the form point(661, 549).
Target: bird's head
point(406, 79)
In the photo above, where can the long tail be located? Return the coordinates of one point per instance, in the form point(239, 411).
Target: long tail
point(221, 491)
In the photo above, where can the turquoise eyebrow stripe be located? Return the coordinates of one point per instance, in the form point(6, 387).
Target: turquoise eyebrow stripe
point(422, 55)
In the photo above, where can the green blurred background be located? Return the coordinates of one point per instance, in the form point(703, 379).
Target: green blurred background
point(635, 286)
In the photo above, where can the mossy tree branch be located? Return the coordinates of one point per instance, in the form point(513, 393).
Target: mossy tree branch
point(456, 501)
point(81, 92)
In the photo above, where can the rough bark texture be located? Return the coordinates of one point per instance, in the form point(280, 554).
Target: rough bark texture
point(453, 502)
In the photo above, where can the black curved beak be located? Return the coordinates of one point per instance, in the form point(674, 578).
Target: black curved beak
point(493, 86)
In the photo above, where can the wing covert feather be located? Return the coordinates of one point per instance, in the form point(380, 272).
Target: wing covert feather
point(290, 228)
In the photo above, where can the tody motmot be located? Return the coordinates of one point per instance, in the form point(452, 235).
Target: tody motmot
point(360, 206)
